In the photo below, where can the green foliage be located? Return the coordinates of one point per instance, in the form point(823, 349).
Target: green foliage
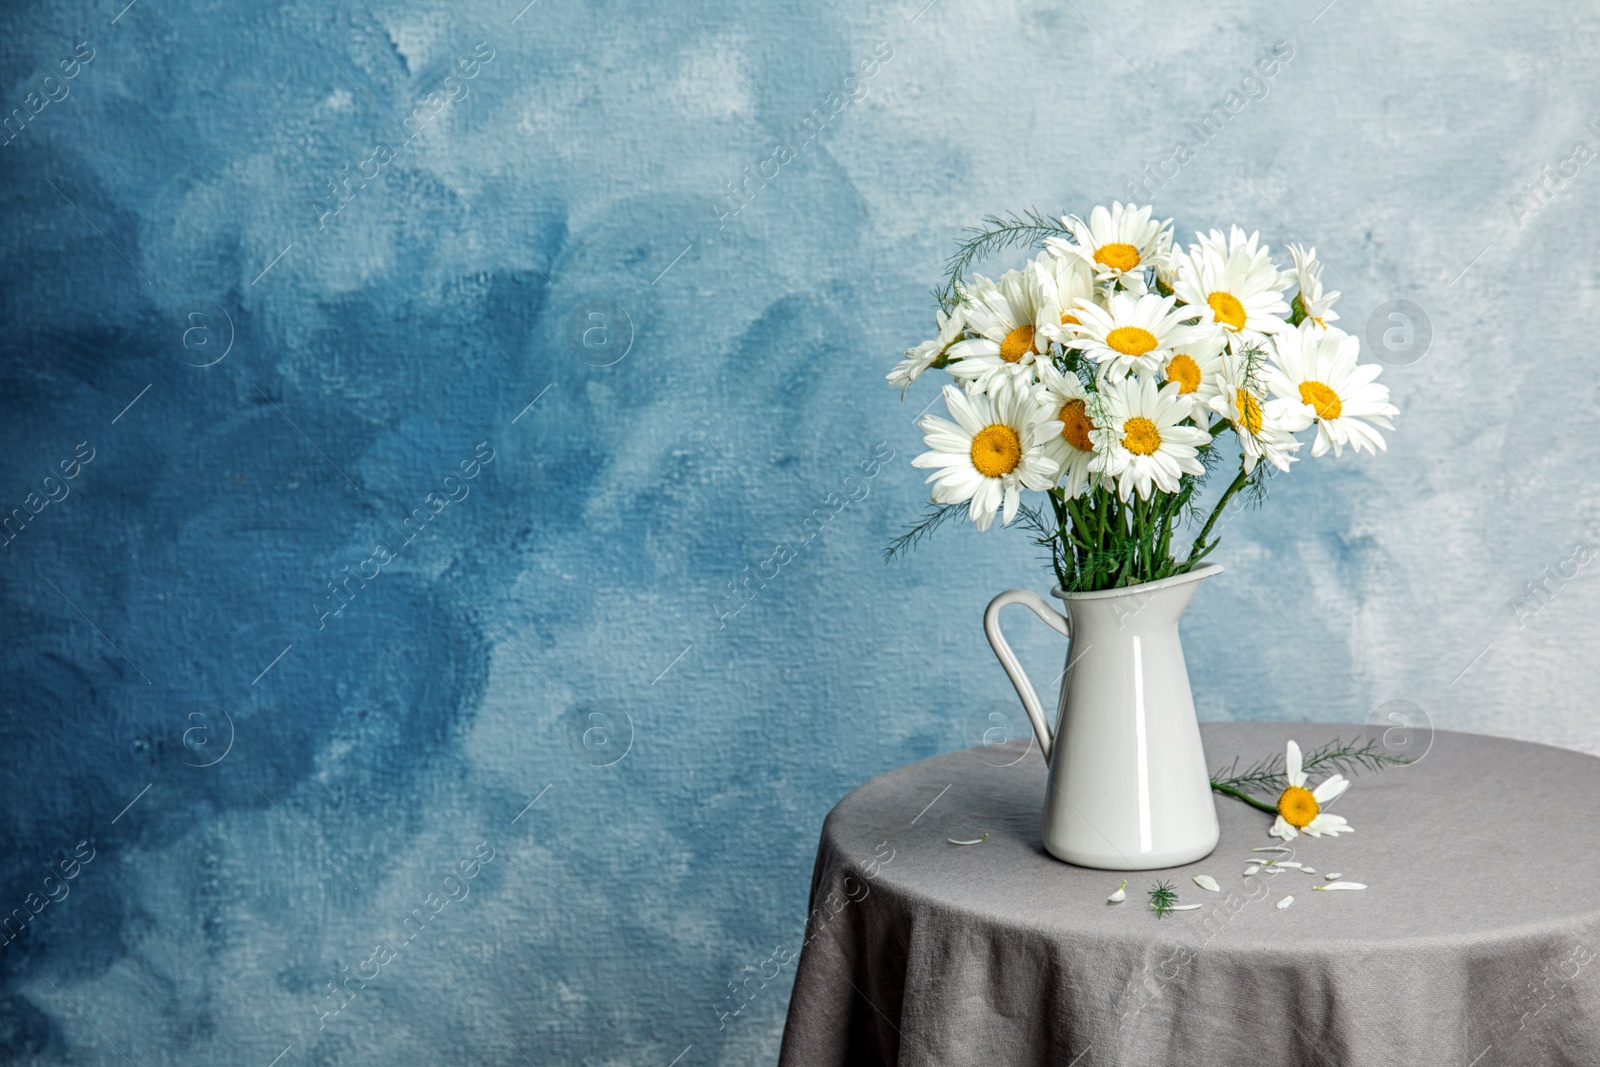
point(997, 232)
point(1162, 897)
point(1266, 776)
point(931, 520)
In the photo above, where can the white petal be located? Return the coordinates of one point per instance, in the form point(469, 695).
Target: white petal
point(1252, 869)
point(1331, 789)
point(1291, 759)
point(1272, 848)
point(1205, 881)
point(1287, 863)
point(1285, 902)
point(1183, 907)
point(1120, 895)
point(1334, 876)
point(1309, 870)
point(1333, 886)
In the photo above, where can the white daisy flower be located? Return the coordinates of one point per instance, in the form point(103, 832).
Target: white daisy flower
point(926, 354)
point(1131, 333)
point(1070, 280)
point(994, 449)
point(1314, 378)
point(1072, 448)
point(1141, 439)
point(1300, 809)
point(1263, 431)
point(1117, 244)
point(1167, 267)
point(1197, 366)
point(1316, 304)
point(1235, 278)
point(1004, 320)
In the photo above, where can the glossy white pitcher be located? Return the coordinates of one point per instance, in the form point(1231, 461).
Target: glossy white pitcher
point(1129, 789)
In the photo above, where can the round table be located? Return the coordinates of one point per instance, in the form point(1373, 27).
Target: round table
point(1474, 944)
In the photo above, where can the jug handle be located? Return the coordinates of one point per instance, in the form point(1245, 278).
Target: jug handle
point(1008, 659)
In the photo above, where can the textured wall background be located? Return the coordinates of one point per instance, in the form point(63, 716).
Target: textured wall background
point(560, 626)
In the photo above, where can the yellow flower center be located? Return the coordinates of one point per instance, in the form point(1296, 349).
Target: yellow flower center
point(1131, 340)
point(1249, 409)
point(1075, 426)
point(1069, 319)
point(1227, 310)
point(1140, 436)
point(1324, 401)
point(1185, 371)
point(996, 450)
point(1018, 343)
point(1117, 256)
point(1298, 807)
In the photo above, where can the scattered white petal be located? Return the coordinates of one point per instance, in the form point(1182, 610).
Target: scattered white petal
point(1334, 876)
point(1285, 902)
point(1331, 886)
point(1252, 869)
point(975, 841)
point(1309, 870)
point(1120, 895)
point(1272, 848)
point(1206, 882)
point(1183, 907)
point(1285, 863)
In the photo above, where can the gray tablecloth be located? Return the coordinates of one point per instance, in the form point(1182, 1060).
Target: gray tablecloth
point(1475, 944)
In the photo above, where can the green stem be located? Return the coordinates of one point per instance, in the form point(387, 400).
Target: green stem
point(1216, 512)
point(1240, 794)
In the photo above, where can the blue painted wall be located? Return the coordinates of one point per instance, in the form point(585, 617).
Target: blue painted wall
point(396, 395)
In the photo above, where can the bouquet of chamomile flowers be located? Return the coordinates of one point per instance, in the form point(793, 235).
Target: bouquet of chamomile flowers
point(1104, 373)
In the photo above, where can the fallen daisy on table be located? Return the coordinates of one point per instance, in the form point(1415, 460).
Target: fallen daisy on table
point(1332, 886)
point(1120, 895)
point(1300, 809)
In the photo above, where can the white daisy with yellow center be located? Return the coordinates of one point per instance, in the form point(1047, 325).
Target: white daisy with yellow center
point(1234, 285)
point(1196, 366)
point(1132, 333)
point(1073, 447)
point(993, 449)
point(1070, 281)
point(1117, 244)
point(1315, 303)
point(1300, 809)
point(1005, 322)
point(926, 354)
point(1142, 438)
point(1261, 430)
point(1314, 378)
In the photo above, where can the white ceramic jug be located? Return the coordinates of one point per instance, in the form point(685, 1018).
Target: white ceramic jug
point(1129, 789)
